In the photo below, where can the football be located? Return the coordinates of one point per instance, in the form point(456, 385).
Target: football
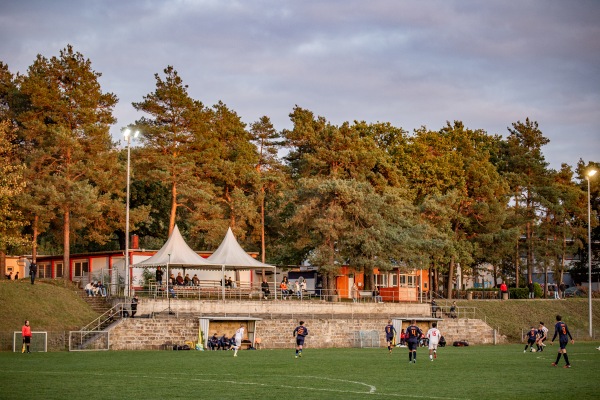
point(533, 350)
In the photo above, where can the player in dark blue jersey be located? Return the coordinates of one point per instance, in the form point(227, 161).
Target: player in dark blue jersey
point(531, 338)
point(300, 333)
point(390, 334)
point(561, 330)
point(413, 335)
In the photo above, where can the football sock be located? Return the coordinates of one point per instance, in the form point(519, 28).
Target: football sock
point(410, 356)
point(415, 355)
point(558, 358)
point(566, 359)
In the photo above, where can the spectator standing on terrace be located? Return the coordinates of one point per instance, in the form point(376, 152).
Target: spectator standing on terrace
point(17, 276)
point(32, 272)
point(453, 310)
point(134, 304)
point(563, 333)
point(531, 288)
point(413, 335)
point(562, 288)
point(159, 275)
point(354, 293)
point(503, 289)
point(26, 334)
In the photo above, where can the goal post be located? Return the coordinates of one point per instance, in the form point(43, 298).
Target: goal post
point(89, 340)
point(39, 341)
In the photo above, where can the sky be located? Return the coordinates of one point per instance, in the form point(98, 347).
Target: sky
point(412, 63)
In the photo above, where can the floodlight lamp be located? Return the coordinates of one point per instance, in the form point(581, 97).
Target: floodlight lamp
point(591, 172)
point(126, 133)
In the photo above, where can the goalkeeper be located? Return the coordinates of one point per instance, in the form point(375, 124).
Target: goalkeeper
point(26, 333)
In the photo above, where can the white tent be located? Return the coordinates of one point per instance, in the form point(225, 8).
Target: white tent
point(175, 253)
point(230, 254)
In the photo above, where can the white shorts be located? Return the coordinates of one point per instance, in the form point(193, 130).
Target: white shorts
point(432, 346)
point(238, 342)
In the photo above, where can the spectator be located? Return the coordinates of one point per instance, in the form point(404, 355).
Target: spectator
point(503, 289)
point(284, 289)
point(179, 279)
point(264, 286)
point(100, 289)
point(297, 289)
point(354, 292)
point(32, 272)
point(172, 280)
point(158, 275)
point(213, 342)
point(187, 281)
point(434, 308)
point(377, 296)
point(562, 288)
point(531, 288)
point(17, 276)
point(134, 304)
point(224, 343)
point(453, 310)
point(196, 280)
point(89, 289)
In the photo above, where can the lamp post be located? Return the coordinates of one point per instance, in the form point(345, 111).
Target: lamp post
point(127, 134)
point(588, 175)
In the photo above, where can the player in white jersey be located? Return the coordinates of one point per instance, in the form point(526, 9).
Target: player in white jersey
point(433, 334)
point(239, 334)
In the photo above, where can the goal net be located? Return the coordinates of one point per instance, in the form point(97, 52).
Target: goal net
point(366, 339)
point(39, 342)
point(89, 340)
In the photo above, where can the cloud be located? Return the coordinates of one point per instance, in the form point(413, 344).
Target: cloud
point(411, 63)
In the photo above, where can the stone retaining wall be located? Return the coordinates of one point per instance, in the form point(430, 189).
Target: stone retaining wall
point(329, 325)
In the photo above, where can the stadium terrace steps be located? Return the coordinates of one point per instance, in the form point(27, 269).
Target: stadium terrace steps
point(96, 303)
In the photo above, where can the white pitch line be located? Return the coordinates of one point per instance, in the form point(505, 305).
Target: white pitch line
point(371, 391)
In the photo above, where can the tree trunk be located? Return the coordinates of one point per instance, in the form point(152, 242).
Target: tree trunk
point(66, 246)
point(34, 239)
point(450, 278)
point(173, 208)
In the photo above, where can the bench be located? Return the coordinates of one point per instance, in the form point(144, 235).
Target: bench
point(366, 294)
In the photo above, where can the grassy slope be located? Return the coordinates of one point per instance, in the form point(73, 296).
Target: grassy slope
point(55, 306)
point(48, 305)
point(512, 316)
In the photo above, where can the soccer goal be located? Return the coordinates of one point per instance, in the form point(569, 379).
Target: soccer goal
point(89, 340)
point(366, 339)
point(39, 342)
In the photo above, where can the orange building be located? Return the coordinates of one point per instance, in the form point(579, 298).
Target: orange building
point(394, 285)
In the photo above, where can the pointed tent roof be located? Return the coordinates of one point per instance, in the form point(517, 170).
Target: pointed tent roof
point(180, 254)
point(231, 254)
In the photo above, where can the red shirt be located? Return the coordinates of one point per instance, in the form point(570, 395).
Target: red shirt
point(26, 331)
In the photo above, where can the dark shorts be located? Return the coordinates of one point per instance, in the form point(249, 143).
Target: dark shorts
point(26, 339)
point(299, 340)
point(413, 344)
point(563, 344)
point(530, 341)
point(389, 338)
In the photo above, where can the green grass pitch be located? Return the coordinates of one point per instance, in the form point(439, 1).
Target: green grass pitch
point(475, 372)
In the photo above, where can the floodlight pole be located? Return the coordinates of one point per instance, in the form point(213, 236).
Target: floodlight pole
point(127, 134)
point(589, 174)
point(168, 279)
